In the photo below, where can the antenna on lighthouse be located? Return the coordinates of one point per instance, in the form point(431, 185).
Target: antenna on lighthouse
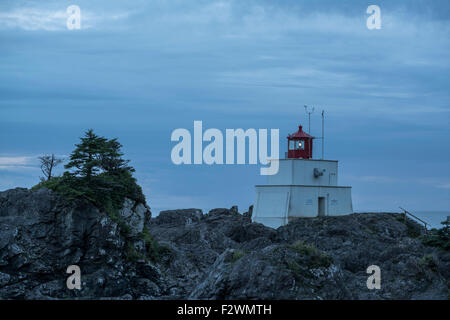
point(309, 111)
point(323, 131)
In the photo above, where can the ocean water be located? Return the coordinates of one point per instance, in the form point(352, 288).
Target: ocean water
point(434, 218)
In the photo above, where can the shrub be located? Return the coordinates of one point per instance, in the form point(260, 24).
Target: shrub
point(132, 254)
point(428, 262)
point(153, 248)
point(303, 247)
point(439, 238)
point(315, 258)
point(237, 254)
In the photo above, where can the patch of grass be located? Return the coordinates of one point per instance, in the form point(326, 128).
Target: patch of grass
point(304, 248)
point(237, 254)
point(65, 186)
point(428, 262)
point(190, 255)
point(322, 260)
point(113, 214)
point(297, 271)
point(439, 238)
point(315, 258)
point(102, 190)
point(132, 254)
point(155, 251)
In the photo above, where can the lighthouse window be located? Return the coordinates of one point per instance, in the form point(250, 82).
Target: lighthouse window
point(297, 145)
point(291, 145)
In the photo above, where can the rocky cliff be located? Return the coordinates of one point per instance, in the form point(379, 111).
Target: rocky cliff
point(220, 255)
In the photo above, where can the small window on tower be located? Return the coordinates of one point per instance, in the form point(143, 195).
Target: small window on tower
point(291, 145)
point(301, 145)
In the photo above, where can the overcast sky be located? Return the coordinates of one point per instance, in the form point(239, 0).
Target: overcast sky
point(137, 70)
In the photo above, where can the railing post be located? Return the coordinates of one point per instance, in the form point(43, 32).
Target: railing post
point(405, 212)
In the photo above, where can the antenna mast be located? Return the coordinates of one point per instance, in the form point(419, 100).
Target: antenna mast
point(309, 112)
point(323, 131)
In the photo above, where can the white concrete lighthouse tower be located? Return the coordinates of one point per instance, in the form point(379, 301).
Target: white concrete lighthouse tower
point(303, 187)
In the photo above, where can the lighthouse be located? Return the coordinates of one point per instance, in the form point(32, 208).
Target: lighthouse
point(303, 187)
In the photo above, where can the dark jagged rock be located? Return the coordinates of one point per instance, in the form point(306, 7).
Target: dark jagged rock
point(184, 254)
point(41, 235)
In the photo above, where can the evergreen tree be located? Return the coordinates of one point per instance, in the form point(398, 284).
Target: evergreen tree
point(97, 154)
point(86, 158)
point(111, 159)
point(98, 174)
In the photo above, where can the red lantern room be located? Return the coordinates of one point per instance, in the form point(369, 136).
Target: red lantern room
point(300, 145)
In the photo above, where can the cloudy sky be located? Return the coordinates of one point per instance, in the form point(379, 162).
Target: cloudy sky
point(139, 69)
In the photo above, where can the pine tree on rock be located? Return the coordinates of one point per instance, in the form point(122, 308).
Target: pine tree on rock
point(97, 174)
point(111, 160)
point(95, 155)
point(86, 158)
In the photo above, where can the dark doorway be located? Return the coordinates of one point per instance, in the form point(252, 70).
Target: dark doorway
point(321, 211)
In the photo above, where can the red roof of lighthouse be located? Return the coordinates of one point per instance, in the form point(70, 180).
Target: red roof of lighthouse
point(300, 134)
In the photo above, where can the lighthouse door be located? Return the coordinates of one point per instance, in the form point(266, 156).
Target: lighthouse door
point(321, 207)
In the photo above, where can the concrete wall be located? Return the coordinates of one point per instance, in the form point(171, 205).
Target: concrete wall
point(301, 172)
point(304, 201)
point(271, 207)
point(277, 205)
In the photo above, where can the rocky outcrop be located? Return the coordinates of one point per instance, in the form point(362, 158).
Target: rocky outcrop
point(135, 215)
point(184, 254)
point(225, 256)
point(42, 234)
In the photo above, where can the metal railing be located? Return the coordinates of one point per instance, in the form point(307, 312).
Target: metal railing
point(406, 212)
